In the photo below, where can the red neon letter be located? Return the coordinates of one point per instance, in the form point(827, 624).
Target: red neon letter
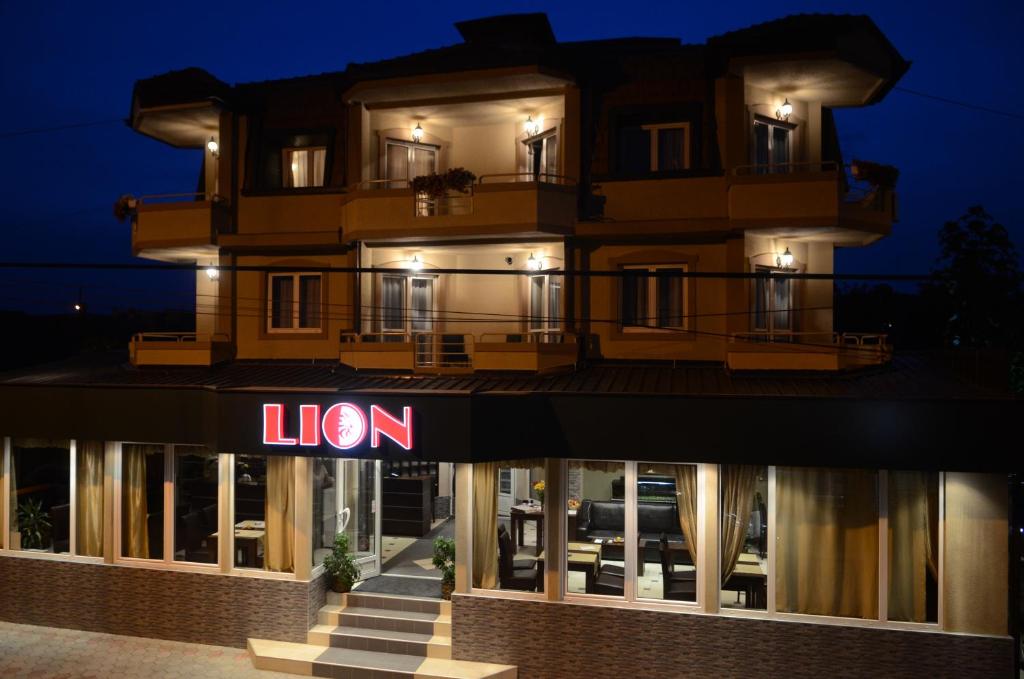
point(344, 425)
point(382, 422)
point(273, 426)
point(309, 425)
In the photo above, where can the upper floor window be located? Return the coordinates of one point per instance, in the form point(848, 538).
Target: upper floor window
point(294, 302)
point(662, 147)
point(773, 302)
point(653, 302)
point(545, 303)
point(303, 167)
point(404, 161)
point(772, 146)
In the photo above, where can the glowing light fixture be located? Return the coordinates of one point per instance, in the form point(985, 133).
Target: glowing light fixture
point(78, 306)
point(212, 272)
point(213, 146)
point(534, 264)
point(785, 260)
point(417, 132)
point(532, 126)
point(784, 111)
point(416, 264)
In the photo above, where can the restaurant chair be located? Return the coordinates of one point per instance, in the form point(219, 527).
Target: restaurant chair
point(681, 586)
point(518, 563)
point(609, 583)
point(510, 577)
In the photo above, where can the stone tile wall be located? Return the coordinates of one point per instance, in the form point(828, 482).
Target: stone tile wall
point(196, 607)
point(562, 641)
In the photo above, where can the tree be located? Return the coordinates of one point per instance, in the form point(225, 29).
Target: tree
point(977, 285)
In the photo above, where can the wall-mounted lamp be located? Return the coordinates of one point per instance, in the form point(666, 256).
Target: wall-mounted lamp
point(785, 260)
point(532, 126)
point(417, 132)
point(212, 272)
point(78, 306)
point(784, 111)
point(534, 263)
point(415, 264)
point(213, 147)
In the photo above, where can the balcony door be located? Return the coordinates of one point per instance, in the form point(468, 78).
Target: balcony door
point(540, 157)
point(773, 302)
point(545, 301)
point(772, 146)
point(405, 160)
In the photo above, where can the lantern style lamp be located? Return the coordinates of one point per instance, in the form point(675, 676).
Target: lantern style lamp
point(785, 260)
point(415, 264)
point(532, 126)
point(417, 132)
point(534, 264)
point(213, 147)
point(785, 110)
point(212, 272)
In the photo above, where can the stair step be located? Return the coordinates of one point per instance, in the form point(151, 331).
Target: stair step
point(390, 602)
point(309, 660)
point(386, 619)
point(381, 641)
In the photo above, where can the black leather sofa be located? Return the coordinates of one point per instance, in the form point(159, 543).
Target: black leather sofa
point(606, 519)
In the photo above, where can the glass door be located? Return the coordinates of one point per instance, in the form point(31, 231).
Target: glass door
point(359, 515)
point(421, 320)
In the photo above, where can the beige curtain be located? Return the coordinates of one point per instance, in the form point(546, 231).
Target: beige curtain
point(485, 525)
point(738, 483)
point(134, 507)
point(526, 463)
point(686, 503)
point(827, 542)
point(89, 503)
point(279, 541)
point(913, 542)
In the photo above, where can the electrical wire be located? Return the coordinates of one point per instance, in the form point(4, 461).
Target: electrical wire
point(964, 104)
point(57, 128)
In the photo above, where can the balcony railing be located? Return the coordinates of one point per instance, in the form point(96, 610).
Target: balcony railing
point(786, 168)
point(179, 348)
point(785, 350)
point(168, 221)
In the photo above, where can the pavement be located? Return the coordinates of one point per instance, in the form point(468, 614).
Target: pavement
point(54, 653)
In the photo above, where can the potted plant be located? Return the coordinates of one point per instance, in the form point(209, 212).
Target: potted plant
point(341, 567)
point(444, 561)
point(436, 185)
point(125, 207)
point(33, 524)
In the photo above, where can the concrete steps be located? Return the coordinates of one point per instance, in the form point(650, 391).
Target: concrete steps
point(375, 636)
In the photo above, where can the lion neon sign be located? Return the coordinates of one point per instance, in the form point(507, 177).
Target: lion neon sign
point(343, 425)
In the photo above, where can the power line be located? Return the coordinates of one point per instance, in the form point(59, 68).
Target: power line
point(57, 128)
point(963, 104)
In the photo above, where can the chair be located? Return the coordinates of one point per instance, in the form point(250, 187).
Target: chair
point(609, 582)
point(194, 534)
point(676, 586)
point(510, 577)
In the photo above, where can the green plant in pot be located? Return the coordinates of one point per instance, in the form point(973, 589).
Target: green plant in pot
point(444, 561)
point(34, 524)
point(340, 565)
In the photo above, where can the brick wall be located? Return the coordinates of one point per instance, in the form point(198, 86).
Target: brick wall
point(561, 641)
point(197, 607)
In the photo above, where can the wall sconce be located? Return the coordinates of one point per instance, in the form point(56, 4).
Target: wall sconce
point(534, 264)
point(785, 260)
point(213, 147)
point(784, 111)
point(532, 126)
point(417, 132)
point(212, 272)
point(415, 264)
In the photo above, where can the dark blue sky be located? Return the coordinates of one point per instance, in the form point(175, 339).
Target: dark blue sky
point(73, 62)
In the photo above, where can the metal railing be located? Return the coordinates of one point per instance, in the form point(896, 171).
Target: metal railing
point(866, 342)
point(380, 184)
point(455, 203)
point(806, 167)
point(530, 337)
point(442, 350)
point(197, 196)
point(177, 337)
point(514, 177)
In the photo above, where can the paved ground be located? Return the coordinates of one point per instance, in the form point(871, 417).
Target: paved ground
point(38, 652)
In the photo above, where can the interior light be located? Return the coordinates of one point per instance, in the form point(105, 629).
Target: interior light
point(417, 132)
point(213, 146)
point(416, 264)
point(534, 264)
point(212, 272)
point(785, 260)
point(532, 126)
point(785, 110)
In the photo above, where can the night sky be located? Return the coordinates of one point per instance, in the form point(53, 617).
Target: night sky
point(76, 62)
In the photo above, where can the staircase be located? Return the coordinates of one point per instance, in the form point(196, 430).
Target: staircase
point(379, 636)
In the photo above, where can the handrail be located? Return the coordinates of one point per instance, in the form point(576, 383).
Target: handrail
point(877, 341)
point(179, 337)
point(171, 197)
point(530, 337)
point(817, 166)
point(375, 183)
point(533, 177)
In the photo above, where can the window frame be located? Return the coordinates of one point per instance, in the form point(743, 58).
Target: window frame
point(770, 282)
point(652, 299)
point(771, 167)
point(294, 328)
point(654, 131)
point(410, 147)
point(543, 318)
point(286, 166)
point(406, 308)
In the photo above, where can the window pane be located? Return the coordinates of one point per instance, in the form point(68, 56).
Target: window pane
point(89, 497)
point(142, 501)
point(319, 161)
point(393, 301)
point(780, 149)
point(671, 144)
point(761, 157)
point(519, 523)
point(422, 304)
point(551, 155)
point(358, 517)
point(397, 165)
point(281, 301)
point(743, 506)
point(262, 518)
point(424, 161)
point(913, 546)
point(41, 495)
point(634, 298)
point(666, 531)
point(296, 165)
point(196, 475)
point(537, 302)
point(309, 301)
point(325, 507)
point(597, 528)
point(670, 300)
point(782, 304)
point(761, 302)
point(826, 560)
point(554, 302)
point(634, 151)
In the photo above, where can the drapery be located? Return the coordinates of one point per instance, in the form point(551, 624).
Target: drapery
point(279, 540)
point(826, 558)
point(686, 504)
point(89, 493)
point(134, 506)
point(485, 520)
point(913, 542)
point(738, 483)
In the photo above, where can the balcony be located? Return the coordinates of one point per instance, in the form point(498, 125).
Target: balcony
point(806, 351)
point(497, 206)
point(454, 353)
point(180, 226)
point(178, 348)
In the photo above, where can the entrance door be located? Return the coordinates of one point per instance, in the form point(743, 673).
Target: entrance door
point(404, 161)
point(359, 515)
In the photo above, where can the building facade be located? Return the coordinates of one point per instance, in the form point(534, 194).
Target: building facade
point(577, 295)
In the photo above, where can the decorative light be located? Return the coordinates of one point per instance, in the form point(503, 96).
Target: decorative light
point(534, 264)
point(417, 132)
point(415, 264)
point(784, 111)
point(78, 306)
point(785, 260)
point(532, 126)
point(212, 272)
point(214, 147)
